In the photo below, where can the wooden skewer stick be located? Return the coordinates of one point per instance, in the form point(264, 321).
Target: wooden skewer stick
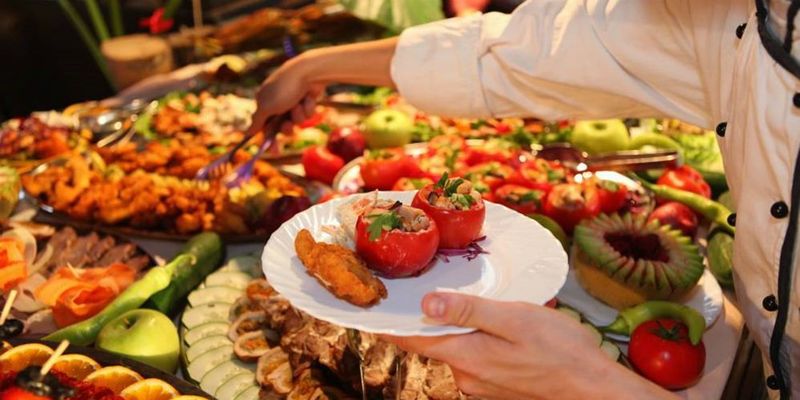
point(52, 360)
point(7, 307)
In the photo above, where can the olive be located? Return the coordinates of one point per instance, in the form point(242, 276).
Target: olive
point(11, 328)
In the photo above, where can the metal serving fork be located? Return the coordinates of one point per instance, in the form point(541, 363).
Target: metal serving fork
point(244, 172)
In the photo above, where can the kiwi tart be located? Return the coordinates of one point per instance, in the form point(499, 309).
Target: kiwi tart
point(626, 260)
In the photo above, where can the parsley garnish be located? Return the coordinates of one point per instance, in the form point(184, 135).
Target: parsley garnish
point(452, 187)
point(383, 222)
point(442, 181)
point(464, 200)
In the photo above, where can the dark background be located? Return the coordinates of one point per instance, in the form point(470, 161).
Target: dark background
point(44, 64)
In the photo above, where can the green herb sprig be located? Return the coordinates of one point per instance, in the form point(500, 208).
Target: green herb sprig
point(382, 222)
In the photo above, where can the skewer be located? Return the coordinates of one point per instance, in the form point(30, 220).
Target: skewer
point(52, 360)
point(7, 307)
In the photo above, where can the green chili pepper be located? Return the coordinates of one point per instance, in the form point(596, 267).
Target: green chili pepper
point(632, 317)
point(85, 332)
point(713, 211)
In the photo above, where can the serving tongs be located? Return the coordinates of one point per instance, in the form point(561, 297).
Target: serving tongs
point(244, 172)
point(629, 160)
point(354, 344)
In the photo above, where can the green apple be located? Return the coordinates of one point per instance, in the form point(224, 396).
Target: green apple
point(142, 335)
point(388, 128)
point(600, 136)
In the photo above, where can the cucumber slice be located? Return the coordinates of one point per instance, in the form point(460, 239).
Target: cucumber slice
point(214, 294)
point(250, 393)
point(610, 349)
point(205, 345)
point(598, 336)
point(206, 362)
point(194, 317)
point(221, 373)
point(570, 313)
point(247, 264)
point(236, 385)
point(213, 328)
point(234, 279)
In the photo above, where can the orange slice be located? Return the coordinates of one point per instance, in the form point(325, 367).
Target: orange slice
point(75, 366)
point(21, 357)
point(116, 378)
point(150, 389)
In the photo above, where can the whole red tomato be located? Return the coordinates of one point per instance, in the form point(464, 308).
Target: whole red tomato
point(520, 198)
point(569, 203)
point(396, 253)
point(660, 351)
point(612, 195)
point(411, 184)
point(382, 168)
point(457, 228)
point(685, 178)
point(320, 164)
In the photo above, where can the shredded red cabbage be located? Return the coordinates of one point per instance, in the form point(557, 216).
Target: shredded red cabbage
point(471, 252)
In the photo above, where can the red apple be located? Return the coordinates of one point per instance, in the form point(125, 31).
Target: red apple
point(676, 215)
point(347, 142)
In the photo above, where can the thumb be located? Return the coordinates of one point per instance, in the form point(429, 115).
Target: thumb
point(493, 317)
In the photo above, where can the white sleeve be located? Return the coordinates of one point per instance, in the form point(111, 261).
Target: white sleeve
point(571, 59)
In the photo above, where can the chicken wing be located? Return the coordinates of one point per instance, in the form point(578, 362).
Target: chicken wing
point(339, 270)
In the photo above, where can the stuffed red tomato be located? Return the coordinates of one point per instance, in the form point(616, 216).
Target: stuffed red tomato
point(457, 209)
point(396, 241)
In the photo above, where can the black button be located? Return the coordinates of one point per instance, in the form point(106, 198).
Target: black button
point(779, 209)
point(732, 219)
point(721, 129)
point(769, 303)
point(772, 382)
point(796, 100)
point(740, 30)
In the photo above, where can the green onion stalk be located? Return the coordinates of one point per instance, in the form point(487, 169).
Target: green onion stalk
point(88, 40)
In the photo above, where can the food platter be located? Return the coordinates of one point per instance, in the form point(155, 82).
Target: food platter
point(107, 359)
point(524, 263)
point(49, 214)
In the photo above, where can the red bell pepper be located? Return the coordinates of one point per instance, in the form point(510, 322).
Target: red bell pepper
point(685, 178)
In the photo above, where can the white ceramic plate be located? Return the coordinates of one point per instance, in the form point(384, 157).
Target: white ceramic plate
point(706, 297)
point(525, 263)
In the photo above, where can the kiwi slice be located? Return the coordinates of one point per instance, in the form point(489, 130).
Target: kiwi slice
point(626, 260)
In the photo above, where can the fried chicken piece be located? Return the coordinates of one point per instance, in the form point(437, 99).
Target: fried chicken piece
point(339, 270)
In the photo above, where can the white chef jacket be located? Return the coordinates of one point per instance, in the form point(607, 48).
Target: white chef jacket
point(694, 60)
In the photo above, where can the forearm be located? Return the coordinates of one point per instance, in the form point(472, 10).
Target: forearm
point(367, 63)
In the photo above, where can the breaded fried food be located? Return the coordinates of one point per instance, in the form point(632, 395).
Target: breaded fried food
point(339, 270)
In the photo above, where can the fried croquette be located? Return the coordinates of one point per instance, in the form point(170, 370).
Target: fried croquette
point(339, 270)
